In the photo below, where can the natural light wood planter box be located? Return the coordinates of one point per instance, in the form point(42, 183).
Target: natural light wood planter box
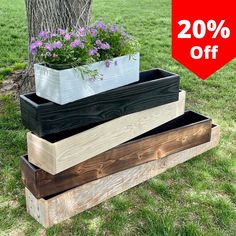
point(155, 87)
point(50, 211)
point(186, 131)
point(60, 153)
point(64, 86)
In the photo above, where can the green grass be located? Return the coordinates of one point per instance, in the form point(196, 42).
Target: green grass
point(195, 198)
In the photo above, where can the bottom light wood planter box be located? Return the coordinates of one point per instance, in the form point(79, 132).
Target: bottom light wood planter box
point(186, 131)
point(59, 153)
point(65, 205)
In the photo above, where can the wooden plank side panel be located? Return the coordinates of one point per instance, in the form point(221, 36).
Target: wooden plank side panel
point(43, 152)
point(85, 145)
point(79, 199)
point(29, 175)
point(29, 114)
point(37, 208)
point(117, 159)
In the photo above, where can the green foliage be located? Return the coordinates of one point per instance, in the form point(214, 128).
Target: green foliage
point(5, 71)
point(66, 49)
point(19, 66)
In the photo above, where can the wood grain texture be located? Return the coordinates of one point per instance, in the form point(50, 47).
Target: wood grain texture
point(54, 157)
point(186, 131)
point(65, 205)
point(155, 87)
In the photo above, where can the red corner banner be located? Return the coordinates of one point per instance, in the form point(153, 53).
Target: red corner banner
point(203, 34)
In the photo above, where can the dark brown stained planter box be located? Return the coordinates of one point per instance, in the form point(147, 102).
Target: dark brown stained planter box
point(184, 132)
point(155, 87)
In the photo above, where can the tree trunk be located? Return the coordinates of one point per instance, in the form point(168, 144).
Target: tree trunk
point(50, 15)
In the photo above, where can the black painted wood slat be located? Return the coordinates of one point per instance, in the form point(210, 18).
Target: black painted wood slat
point(155, 87)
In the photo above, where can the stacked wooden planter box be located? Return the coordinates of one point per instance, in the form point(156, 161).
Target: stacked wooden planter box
point(85, 152)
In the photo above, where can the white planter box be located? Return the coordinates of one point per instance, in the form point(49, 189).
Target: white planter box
point(64, 86)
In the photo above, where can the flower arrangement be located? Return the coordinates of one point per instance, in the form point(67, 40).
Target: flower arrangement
point(72, 48)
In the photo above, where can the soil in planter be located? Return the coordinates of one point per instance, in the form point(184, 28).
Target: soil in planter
point(58, 66)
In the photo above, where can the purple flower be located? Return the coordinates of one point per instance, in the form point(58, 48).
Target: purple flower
point(38, 44)
point(101, 45)
point(53, 34)
point(33, 51)
point(57, 45)
point(73, 45)
point(101, 25)
point(93, 32)
point(114, 28)
point(67, 36)
point(105, 46)
point(93, 51)
point(61, 31)
point(77, 43)
point(34, 46)
point(49, 47)
point(98, 42)
point(107, 63)
point(43, 34)
point(82, 32)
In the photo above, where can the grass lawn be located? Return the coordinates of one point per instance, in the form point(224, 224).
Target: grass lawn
point(195, 198)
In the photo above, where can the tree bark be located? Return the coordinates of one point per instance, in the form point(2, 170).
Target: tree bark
point(49, 15)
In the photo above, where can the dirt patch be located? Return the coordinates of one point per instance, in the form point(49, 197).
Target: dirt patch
point(16, 232)
point(11, 204)
point(10, 85)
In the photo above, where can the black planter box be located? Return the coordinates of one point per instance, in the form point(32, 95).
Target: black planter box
point(156, 87)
